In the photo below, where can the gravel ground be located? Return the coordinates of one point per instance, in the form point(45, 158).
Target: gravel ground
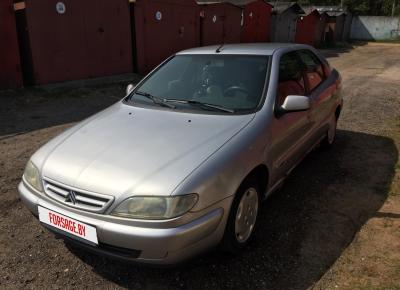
point(305, 229)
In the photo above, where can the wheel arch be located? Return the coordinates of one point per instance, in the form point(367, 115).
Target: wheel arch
point(260, 174)
point(338, 111)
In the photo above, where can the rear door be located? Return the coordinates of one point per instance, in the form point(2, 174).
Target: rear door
point(319, 92)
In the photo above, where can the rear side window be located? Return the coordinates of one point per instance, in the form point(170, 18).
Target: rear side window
point(314, 69)
point(291, 77)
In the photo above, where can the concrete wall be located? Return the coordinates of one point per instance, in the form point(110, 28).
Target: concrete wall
point(375, 28)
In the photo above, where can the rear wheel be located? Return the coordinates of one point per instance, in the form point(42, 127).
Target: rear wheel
point(331, 134)
point(242, 217)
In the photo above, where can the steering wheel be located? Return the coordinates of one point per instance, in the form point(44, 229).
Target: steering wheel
point(232, 89)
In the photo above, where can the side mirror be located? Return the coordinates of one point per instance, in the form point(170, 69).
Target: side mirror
point(129, 89)
point(295, 103)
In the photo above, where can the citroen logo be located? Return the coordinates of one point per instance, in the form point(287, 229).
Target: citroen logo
point(71, 197)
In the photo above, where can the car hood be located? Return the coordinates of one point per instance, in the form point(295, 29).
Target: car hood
point(127, 150)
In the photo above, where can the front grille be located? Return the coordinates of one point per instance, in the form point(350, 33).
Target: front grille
point(105, 249)
point(85, 200)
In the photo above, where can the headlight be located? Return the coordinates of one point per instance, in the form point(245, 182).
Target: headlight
point(156, 207)
point(32, 176)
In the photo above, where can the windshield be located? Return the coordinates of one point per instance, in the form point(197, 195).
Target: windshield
point(225, 83)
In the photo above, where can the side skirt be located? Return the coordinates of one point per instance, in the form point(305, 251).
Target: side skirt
point(280, 182)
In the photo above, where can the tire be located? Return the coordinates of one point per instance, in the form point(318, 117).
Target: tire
point(242, 217)
point(330, 137)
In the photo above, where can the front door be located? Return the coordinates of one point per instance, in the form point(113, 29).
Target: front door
point(289, 131)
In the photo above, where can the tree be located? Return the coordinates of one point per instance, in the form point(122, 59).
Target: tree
point(361, 7)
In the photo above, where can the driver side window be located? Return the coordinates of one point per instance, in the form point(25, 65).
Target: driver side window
point(291, 78)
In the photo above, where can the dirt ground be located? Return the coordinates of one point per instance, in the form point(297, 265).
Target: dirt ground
point(334, 225)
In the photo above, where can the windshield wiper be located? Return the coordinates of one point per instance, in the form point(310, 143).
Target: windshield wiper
point(206, 105)
point(156, 100)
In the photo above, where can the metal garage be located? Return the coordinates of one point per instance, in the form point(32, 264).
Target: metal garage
point(284, 21)
point(220, 23)
point(73, 39)
point(335, 23)
point(164, 27)
point(347, 26)
point(322, 28)
point(256, 21)
point(10, 68)
point(310, 27)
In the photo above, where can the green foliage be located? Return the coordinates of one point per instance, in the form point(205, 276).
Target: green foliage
point(319, 2)
point(361, 7)
point(371, 7)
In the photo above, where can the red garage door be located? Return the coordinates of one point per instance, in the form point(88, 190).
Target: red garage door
point(221, 23)
point(257, 22)
point(75, 39)
point(307, 28)
point(10, 70)
point(163, 28)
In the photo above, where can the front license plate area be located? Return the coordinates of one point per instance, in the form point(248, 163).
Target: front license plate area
point(70, 226)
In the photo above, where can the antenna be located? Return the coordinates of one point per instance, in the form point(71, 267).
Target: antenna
point(218, 50)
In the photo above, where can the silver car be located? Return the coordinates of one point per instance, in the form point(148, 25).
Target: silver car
point(182, 163)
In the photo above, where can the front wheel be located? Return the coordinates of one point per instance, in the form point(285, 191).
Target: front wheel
point(242, 218)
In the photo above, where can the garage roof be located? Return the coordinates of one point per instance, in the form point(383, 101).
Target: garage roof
point(281, 7)
point(234, 2)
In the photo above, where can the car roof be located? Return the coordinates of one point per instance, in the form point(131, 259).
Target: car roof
point(243, 48)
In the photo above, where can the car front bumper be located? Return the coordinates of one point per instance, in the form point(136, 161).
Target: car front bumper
point(152, 245)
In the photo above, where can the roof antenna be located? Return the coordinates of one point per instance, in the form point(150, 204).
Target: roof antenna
point(218, 50)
